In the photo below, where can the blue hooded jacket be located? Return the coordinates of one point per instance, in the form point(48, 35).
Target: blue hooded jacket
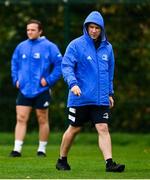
point(90, 68)
point(33, 60)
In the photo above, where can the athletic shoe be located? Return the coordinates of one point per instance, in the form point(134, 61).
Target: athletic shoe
point(15, 154)
point(41, 154)
point(62, 165)
point(113, 167)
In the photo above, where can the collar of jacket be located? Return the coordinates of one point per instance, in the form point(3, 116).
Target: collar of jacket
point(90, 41)
point(37, 40)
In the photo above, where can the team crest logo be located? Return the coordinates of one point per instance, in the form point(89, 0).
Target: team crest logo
point(105, 57)
point(36, 55)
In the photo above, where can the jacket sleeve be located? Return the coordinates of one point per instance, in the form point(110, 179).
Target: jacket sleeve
point(55, 74)
point(15, 66)
point(68, 66)
point(111, 72)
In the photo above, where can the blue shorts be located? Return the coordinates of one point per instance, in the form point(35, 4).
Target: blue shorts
point(77, 116)
point(41, 101)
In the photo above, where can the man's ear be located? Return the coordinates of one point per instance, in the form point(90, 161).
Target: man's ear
point(41, 32)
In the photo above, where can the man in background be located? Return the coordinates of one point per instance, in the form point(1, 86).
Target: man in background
point(35, 68)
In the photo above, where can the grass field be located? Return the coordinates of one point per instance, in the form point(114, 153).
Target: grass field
point(85, 159)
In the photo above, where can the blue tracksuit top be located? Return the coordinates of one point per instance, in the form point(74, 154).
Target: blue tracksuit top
point(33, 60)
point(90, 68)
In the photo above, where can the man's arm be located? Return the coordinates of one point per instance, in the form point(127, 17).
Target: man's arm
point(111, 72)
point(68, 66)
point(56, 72)
point(15, 67)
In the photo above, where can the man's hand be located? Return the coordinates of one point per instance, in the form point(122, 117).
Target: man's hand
point(76, 90)
point(43, 82)
point(17, 84)
point(111, 100)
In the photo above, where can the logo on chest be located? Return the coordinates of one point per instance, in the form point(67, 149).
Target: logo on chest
point(89, 58)
point(36, 55)
point(23, 56)
point(105, 57)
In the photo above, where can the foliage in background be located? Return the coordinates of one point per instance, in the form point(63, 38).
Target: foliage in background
point(127, 26)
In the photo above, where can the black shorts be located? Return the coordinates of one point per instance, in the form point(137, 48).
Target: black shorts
point(41, 101)
point(77, 116)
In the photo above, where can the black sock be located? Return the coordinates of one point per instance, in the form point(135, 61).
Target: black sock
point(63, 158)
point(109, 161)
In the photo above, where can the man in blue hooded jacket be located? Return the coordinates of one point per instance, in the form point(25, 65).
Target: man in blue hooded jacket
point(88, 69)
point(35, 68)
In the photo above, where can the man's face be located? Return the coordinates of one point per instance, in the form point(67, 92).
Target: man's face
point(33, 31)
point(94, 31)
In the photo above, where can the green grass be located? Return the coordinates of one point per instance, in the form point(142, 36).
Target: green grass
point(85, 159)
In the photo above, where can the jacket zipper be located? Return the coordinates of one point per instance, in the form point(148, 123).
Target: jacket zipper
point(30, 63)
point(98, 77)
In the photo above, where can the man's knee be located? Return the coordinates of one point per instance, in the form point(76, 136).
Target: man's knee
point(21, 118)
point(73, 130)
point(42, 116)
point(102, 128)
point(43, 122)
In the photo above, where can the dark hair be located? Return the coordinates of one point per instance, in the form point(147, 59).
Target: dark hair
point(87, 24)
point(34, 21)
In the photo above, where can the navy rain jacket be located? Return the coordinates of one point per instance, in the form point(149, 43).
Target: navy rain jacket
point(90, 68)
point(33, 60)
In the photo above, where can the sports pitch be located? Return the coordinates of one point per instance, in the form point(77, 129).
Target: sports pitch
point(85, 159)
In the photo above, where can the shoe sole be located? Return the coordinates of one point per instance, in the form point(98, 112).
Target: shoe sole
point(15, 156)
point(42, 156)
point(120, 169)
point(62, 169)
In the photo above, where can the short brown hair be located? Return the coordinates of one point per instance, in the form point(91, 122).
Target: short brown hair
point(34, 21)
